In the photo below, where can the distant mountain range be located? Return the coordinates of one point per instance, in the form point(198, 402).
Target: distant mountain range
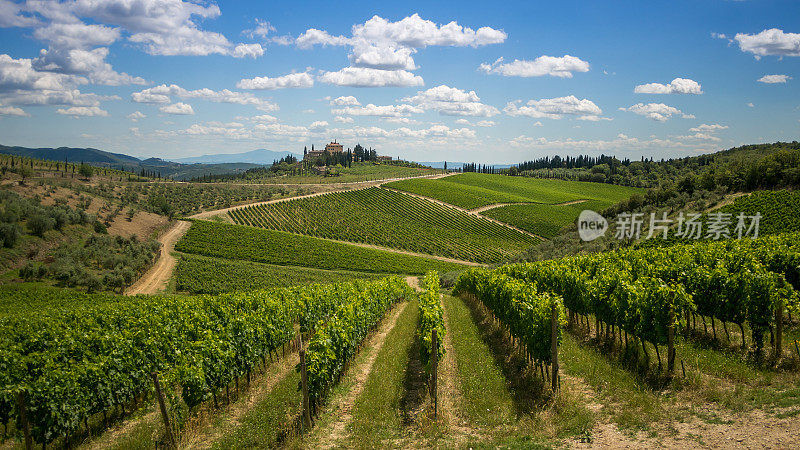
point(95, 157)
point(260, 156)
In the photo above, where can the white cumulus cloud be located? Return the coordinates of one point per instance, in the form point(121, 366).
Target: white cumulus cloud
point(770, 42)
point(366, 77)
point(136, 116)
point(774, 79)
point(676, 86)
point(556, 66)
point(248, 50)
point(179, 108)
point(656, 111)
point(452, 101)
point(82, 111)
point(290, 81)
point(555, 108)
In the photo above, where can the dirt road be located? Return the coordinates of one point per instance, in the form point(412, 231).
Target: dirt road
point(155, 279)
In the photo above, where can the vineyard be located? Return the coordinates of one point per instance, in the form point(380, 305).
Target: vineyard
point(473, 190)
point(202, 275)
point(74, 363)
point(780, 210)
point(390, 219)
point(651, 294)
point(542, 219)
point(236, 242)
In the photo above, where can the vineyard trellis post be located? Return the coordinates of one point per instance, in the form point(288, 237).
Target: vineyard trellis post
point(304, 385)
point(671, 341)
point(779, 329)
point(164, 414)
point(434, 370)
point(554, 344)
point(23, 418)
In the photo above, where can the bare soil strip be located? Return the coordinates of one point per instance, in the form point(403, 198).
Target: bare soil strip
point(156, 278)
point(341, 408)
point(473, 212)
point(450, 397)
point(498, 205)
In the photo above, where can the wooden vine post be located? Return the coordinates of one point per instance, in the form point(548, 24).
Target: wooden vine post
point(304, 385)
point(434, 370)
point(671, 341)
point(23, 418)
point(779, 330)
point(554, 344)
point(164, 415)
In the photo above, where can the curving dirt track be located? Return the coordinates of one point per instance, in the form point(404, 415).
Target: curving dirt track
point(155, 279)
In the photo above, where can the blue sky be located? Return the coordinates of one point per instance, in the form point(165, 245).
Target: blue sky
point(421, 80)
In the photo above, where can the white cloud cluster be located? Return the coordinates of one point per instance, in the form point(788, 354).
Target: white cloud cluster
point(83, 111)
point(136, 116)
point(452, 101)
point(378, 111)
point(367, 77)
point(79, 32)
point(181, 109)
point(676, 86)
point(656, 111)
point(770, 42)
point(163, 94)
point(346, 100)
point(555, 66)
point(774, 79)
point(379, 45)
point(247, 50)
point(292, 80)
point(708, 128)
point(22, 84)
point(13, 111)
point(556, 108)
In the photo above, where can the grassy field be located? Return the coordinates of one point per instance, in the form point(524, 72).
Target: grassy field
point(203, 275)
point(390, 219)
point(474, 190)
point(365, 171)
point(541, 219)
point(236, 242)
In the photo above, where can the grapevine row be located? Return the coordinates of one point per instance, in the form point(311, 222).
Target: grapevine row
point(339, 338)
point(526, 312)
point(391, 219)
point(431, 317)
point(74, 363)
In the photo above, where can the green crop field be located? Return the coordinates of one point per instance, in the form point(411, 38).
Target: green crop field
point(391, 219)
point(203, 275)
point(236, 242)
point(780, 210)
point(541, 219)
point(474, 190)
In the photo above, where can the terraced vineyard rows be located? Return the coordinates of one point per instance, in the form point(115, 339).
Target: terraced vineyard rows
point(390, 219)
point(541, 219)
point(473, 190)
point(236, 242)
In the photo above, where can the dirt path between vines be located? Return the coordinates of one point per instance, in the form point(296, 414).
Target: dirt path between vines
point(498, 205)
point(157, 277)
point(450, 397)
point(342, 407)
point(472, 212)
